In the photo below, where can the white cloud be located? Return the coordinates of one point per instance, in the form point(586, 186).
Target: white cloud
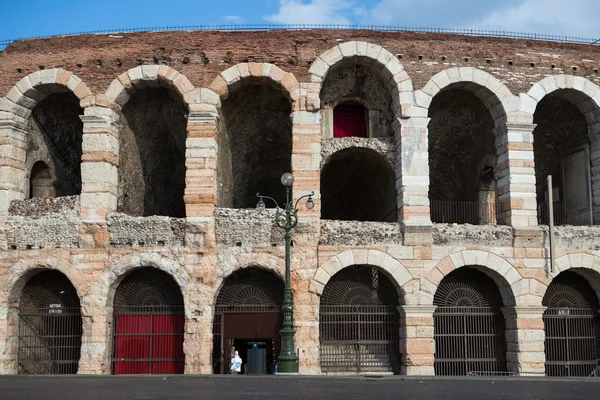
point(313, 12)
point(572, 18)
point(233, 18)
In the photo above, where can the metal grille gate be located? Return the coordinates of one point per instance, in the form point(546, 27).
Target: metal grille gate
point(359, 322)
point(148, 325)
point(248, 291)
point(468, 324)
point(571, 326)
point(49, 326)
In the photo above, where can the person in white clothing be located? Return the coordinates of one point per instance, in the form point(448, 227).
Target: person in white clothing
point(235, 366)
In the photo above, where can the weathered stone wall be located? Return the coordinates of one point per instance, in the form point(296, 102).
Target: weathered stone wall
point(43, 223)
point(472, 235)
point(354, 233)
point(125, 230)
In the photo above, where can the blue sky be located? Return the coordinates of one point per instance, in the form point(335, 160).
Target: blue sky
point(44, 17)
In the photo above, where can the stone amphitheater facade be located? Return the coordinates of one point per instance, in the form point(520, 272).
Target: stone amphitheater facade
point(87, 237)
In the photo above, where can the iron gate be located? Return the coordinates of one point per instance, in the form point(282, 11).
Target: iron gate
point(359, 322)
point(49, 326)
point(148, 325)
point(247, 291)
point(468, 324)
point(571, 326)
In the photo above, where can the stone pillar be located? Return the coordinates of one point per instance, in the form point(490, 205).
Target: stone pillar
point(306, 167)
point(515, 175)
point(412, 179)
point(306, 309)
point(13, 134)
point(198, 336)
point(306, 158)
point(99, 175)
point(201, 163)
point(96, 338)
point(417, 344)
point(594, 136)
point(525, 339)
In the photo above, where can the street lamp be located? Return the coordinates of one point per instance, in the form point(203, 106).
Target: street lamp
point(287, 219)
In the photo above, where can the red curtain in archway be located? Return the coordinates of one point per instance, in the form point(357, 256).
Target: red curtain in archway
point(349, 120)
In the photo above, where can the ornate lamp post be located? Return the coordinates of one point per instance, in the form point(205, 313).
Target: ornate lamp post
point(287, 219)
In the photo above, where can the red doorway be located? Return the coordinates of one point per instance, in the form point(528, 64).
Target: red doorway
point(349, 120)
point(148, 325)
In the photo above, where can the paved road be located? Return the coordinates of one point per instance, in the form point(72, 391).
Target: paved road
point(279, 388)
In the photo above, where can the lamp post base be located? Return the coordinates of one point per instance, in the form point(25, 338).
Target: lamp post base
point(287, 365)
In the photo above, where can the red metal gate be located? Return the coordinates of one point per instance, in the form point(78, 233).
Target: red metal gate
point(148, 325)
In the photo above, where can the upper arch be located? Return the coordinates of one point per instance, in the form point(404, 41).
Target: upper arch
point(233, 78)
point(585, 94)
point(23, 97)
point(128, 83)
point(391, 70)
point(496, 97)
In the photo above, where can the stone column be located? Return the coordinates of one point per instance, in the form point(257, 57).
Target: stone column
point(201, 164)
point(198, 336)
point(594, 136)
point(412, 179)
point(525, 339)
point(13, 134)
point(96, 339)
point(515, 175)
point(417, 344)
point(99, 175)
point(306, 167)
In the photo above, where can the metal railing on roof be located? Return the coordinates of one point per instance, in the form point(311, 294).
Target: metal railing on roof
point(378, 28)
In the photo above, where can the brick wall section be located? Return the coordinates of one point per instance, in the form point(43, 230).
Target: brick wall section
point(100, 55)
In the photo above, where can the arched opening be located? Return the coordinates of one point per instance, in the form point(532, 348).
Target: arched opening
point(359, 322)
point(152, 154)
point(356, 101)
point(461, 138)
point(572, 326)
point(148, 324)
point(55, 133)
point(350, 119)
point(255, 144)
point(358, 184)
point(468, 324)
point(49, 326)
point(248, 318)
point(561, 149)
point(40, 181)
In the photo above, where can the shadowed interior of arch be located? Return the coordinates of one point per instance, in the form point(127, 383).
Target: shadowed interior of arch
point(461, 137)
point(152, 138)
point(358, 184)
point(355, 81)
point(255, 144)
point(55, 133)
point(559, 142)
